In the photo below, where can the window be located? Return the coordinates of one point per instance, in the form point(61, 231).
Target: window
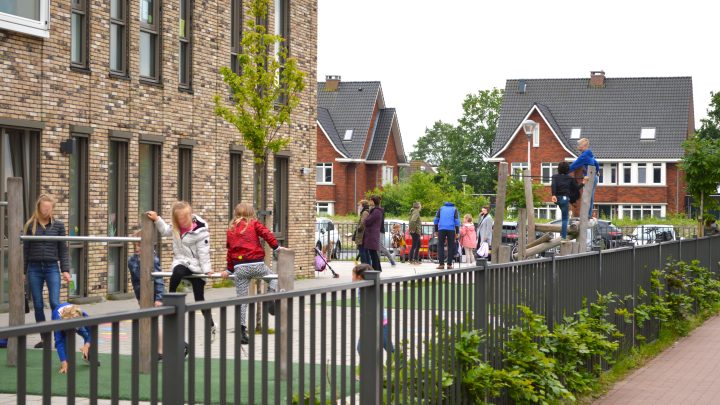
point(150, 40)
point(387, 175)
point(149, 178)
point(657, 169)
point(608, 173)
point(627, 173)
point(647, 133)
point(185, 173)
point(325, 208)
point(548, 169)
point(547, 211)
point(348, 135)
point(235, 180)
point(516, 169)
point(575, 133)
point(117, 215)
point(637, 211)
point(282, 29)
point(77, 215)
point(236, 27)
point(118, 37)
point(79, 34)
point(185, 66)
point(281, 201)
point(27, 16)
point(323, 173)
point(643, 173)
point(536, 136)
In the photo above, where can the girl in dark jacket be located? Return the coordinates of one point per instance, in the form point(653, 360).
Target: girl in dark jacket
point(371, 237)
point(564, 192)
point(42, 257)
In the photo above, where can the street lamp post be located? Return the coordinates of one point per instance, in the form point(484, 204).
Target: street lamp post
point(529, 128)
point(464, 179)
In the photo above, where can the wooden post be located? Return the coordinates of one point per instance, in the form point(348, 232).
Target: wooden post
point(584, 208)
point(545, 238)
point(522, 233)
point(499, 211)
point(15, 263)
point(529, 204)
point(504, 252)
point(147, 289)
point(566, 248)
point(543, 247)
point(286, 282)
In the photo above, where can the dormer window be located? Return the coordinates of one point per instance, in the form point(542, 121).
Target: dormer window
point(647, 133)
point(348, 135)
point(575, 133)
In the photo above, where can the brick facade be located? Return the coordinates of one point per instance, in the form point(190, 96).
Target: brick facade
point(37, 83)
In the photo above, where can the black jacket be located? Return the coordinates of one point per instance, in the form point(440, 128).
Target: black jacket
point(47, 251)
point(564, 185)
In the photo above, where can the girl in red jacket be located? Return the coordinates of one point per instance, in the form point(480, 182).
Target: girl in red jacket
point(246, 256)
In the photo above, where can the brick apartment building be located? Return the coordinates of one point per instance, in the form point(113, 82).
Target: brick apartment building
point(359, 146)
point(108, 106)
point(635, 126)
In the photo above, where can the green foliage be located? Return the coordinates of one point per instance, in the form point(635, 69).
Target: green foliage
point(710, 126)
point(266, 91)
point(701, 165)
point(432, 192)
point(460, 149)
point(515, 194)
point(479, 378)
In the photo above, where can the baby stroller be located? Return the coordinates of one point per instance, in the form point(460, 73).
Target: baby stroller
point(321, 263)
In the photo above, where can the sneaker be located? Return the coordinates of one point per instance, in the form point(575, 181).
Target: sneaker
point(440, 267)
point(449, 266)
point(244, 338)
point(213, 333)
point(39, 345)
point(159, 356)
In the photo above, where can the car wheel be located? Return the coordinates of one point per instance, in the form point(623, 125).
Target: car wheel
point(337, 250)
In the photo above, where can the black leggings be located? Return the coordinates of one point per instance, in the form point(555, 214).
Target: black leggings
point(415, 248)
point(374, 259)
point(198, 285)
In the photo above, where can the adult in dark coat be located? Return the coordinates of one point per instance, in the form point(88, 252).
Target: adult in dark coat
point(371, 237)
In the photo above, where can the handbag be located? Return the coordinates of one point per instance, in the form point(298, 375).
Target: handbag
point(483, 250)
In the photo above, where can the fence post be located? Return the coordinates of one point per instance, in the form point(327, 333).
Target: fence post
point(499, 211)
point(15, 263)
point(370, 345)
point(147, 290)
point(550, 292)
point(480, 300)
point(286, 282)
point(173, 374)
point(634, 292)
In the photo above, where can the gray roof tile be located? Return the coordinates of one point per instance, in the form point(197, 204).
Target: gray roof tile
point(610, 117)
point(381, 134)
point(328, 125)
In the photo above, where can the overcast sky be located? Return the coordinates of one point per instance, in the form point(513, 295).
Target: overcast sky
point(428, 54)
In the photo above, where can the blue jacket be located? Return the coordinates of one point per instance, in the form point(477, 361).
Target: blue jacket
point(584, 160)
point(134, 267)
point(447, 218)
point(60, 335)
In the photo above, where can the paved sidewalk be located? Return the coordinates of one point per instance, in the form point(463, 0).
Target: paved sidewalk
point(686, 373)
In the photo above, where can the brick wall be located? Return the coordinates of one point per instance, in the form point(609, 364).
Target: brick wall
point(36, 83)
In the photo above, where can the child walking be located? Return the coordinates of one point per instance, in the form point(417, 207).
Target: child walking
point(397, 242)
point(246, 256)
point(468, 238)
point(191, 251)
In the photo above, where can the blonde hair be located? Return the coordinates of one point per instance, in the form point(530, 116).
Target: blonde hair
point(583, 141)
point(242, 211)
point(71, 311)
point(179, 206)
point(396, 226)
point(468, 218)
point(36, 215)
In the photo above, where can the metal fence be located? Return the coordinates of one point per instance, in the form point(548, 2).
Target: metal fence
point(385, 340)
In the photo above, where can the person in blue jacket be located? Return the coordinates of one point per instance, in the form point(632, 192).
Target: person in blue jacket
point(586, 159)
point(70, 311)
point(447, 226)
point(134, 267)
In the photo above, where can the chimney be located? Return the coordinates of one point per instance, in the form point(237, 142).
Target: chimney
point(332, 82)
point(597, 79)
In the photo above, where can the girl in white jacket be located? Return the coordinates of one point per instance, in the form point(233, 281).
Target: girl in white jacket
point(191, 250)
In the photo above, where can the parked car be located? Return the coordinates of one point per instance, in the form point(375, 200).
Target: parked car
point(326, 234)
point(510, 233)
point(645, 234)
point(612, 235)
point(428, 229)
point(593, 237)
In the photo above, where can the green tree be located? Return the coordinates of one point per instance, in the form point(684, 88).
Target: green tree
point(264, 94)
point(701, 165)
point(710, 126)
point(461, 149)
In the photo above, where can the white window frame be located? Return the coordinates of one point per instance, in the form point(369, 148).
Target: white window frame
point(642, 208)
point(647, 133)
point(38, 28)
point(536, 136)
point(348, 135)
point(649, 174)
point(322, 168)
point(607, 179)
point(550, 211)
point(553, 167)
point(388, 175)
point(329, 208)
point(576, 133)
point(516, 168)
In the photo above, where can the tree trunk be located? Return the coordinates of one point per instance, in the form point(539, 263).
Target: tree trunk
point(701, 228)
point(259, 188)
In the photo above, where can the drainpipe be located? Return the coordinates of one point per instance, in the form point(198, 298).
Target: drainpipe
point(355, 200)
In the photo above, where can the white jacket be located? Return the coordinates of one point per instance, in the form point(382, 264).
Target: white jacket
point(193, 249)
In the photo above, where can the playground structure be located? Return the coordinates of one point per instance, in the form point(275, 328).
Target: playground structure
point(528, 246)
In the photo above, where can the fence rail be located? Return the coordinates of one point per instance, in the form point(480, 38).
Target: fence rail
point(381, 340)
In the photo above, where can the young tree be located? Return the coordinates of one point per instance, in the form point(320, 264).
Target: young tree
point(701, 165)
point(264, 94)
point(710, 126)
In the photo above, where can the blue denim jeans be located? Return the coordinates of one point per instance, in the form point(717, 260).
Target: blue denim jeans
point(564, 203)
point(37, 274)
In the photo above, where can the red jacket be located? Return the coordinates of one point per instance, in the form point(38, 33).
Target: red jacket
point(245, 247)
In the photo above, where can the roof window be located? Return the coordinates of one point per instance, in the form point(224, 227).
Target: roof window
point(575, 134)
point(348, 135)
point(647, 133)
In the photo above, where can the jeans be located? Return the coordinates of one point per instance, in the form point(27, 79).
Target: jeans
point(374, 259)
point(564, 203)
point(48, 272)
point(363, 253)
point(450, 237)
point(415, 248)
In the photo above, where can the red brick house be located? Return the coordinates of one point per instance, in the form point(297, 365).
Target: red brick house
point(359, 146)
point(635, 126)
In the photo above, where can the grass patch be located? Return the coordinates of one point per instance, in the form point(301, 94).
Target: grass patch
point(223, 283)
